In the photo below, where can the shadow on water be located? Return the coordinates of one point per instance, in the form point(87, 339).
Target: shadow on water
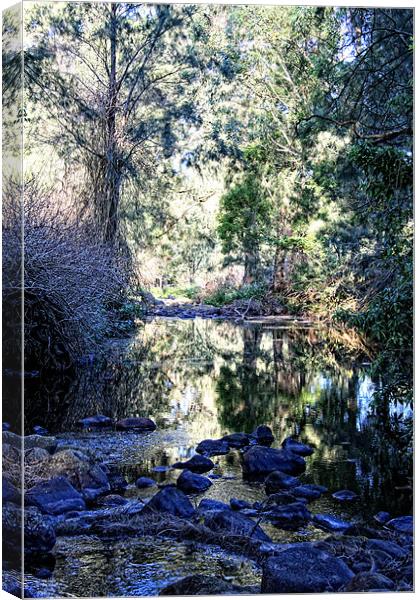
point(203, 378)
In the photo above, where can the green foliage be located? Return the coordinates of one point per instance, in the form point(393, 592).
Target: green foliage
point(227, 294)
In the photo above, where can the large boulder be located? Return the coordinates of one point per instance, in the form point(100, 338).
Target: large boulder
point(39, 534)
point(304, 569)
point(10, 493)
point(55, 496)
point(297, 447)
point(278, 481)
point(402, 524)
point(170, 500)
point(136, 424)
point(86, 476)
point(145, 482)
point(260, 461)
point(191, 483)
point(234, 523)
point(289, 516)
point(49, 443)
point(196, 464)
point(213, 447)
point(263, 435)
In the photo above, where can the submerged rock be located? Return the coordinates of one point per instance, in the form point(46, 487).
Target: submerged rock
point(402, 524)
point(213, 447)
point(289, 516)
point(278, 481)
point(345, 496)
point(304, 569)
point(55, 496)
point(260, 461)
point(113, 500)
point(237, 440)
point(331, 523)
point(233, 523)
point(309, 491)
point(367, 581)
point(263, 435)
point(199, 585)
point(236, 504)
point(145, 482)
point(297, 447)
point(95, 422)
point(209, 505)
point(191, 483)
point(196, 464)
point(136, 424)
point(170, 500)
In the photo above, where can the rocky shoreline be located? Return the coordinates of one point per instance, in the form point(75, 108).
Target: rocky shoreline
point(69, 493)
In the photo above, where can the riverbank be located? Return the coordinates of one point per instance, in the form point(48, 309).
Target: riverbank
point(71, 495)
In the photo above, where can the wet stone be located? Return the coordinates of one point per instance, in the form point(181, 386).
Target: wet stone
point(213, 447)
point(402, 524)
point(331, 523)
point(345, 496)
point(191, 483)
point(297, 447)
point(196, 464)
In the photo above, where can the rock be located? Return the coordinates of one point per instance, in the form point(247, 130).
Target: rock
point(345, 496)
point(331, 523)
point(297, 447)
point(170, 500)
point(360, 530)
point(196, 464)
point(210, 505)
point(39, 430)
point(198, 585)
point(87, 477)
point(38, 531)
point(11, 455)
point(55, 496)
point(233, 523)
point(43, 573)
point(236, 504)
point(136, 424)
point(260, 461)
point(191, 483)
point(49, 443)
point(36, 455)
point(10, 493)
point(113, 500)
point(95, 422)
point(117, 482)
point(263, 435)
point(367, 581)
point(390, 548)
point(382, 517)
point(6, 426)
point(237, 440)
point(283, 498)
point(304, 569)
point(278, 481)
point(145, 482)
point(308, 491)
point(401, 524)
point(289, 516)
point(212, 447)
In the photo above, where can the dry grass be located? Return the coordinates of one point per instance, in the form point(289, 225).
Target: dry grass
point(72, 279)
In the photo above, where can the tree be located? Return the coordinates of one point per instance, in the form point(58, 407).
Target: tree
point(116, 79)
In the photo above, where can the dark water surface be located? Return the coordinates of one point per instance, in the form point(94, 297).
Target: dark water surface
point(202, 379)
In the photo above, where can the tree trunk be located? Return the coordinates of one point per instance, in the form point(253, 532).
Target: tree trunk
point(112, 171)
point(282, 257)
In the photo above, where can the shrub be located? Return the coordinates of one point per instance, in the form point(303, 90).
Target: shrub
point(72, 281)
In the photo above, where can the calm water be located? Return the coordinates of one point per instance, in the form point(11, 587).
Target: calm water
point(201, 379)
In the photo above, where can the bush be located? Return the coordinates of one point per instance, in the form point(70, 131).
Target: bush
point(227, 295)
point(72, 281)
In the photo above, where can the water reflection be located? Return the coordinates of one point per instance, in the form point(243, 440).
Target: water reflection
point(202, 378)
